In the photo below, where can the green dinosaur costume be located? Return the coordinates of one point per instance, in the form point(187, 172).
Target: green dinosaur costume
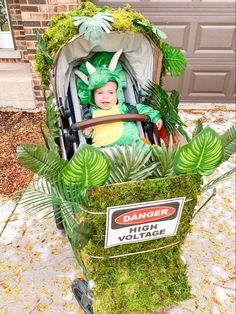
point(102, 68)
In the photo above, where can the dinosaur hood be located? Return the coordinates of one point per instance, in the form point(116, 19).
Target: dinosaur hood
point(98, 74)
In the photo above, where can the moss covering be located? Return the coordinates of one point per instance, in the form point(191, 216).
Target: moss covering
point(143, 282)
point(61, 29)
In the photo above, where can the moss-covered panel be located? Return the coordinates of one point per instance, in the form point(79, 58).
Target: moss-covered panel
point(144, 282)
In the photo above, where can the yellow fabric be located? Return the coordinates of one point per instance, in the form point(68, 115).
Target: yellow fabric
point(106, 134)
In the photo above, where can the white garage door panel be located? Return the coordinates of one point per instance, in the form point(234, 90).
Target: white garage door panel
point(205, 83)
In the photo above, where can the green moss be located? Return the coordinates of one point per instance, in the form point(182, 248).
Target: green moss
point(143, 282)
point(124, 19)
point(61, 29)
point(42, 67)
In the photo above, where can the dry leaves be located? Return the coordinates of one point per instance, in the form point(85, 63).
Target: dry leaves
point(16, 128)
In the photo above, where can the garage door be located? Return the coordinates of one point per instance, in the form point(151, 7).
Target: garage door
point(205, 31)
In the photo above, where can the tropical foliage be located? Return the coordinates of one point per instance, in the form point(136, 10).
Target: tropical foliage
point(94, 28)
point(164, 156)
point(87, 167)
point(40, 160)
point(229, 139)
point(51, 121)
point(156, 97)
point(130, 163)
point(202, 155)
point(94, 23)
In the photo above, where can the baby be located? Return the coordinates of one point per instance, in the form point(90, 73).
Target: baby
point(104, 85)
point(116, 133)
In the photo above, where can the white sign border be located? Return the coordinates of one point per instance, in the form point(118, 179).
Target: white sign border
point(138, 205)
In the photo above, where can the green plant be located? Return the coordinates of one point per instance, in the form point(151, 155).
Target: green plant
point(157, 98)
point(94, 28)
point(229, 140)
point(40, 160)
point(94, 23)
point(87, 167)
point(51, 121)
point(129, 163)
point(198, 128)
point(202, 155)
point(173, 60)
point(165, 157)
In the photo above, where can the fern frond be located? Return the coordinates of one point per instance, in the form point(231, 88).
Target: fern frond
point(229, 140)
point(51, 121)
point(157, 98)
point(210, 185)
point(165, 158)
point(198, 128)
point(129, 163)
point(40, 160)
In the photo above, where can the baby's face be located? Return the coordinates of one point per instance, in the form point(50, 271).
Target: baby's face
point(105, 97)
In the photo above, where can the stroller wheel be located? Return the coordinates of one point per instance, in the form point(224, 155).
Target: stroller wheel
point(81, 292)
point(58, 218)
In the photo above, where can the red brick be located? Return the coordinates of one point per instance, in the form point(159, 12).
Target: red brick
point(37, 1)
point(31, 23)
point(30, 8)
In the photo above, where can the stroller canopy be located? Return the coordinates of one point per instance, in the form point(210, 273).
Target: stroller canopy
point(140, 55)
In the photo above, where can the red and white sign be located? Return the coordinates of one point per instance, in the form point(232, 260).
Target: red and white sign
point(142, 221)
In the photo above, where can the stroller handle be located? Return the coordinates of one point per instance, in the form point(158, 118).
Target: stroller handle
point(108, 119)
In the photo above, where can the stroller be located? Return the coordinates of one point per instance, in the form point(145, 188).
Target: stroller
point(126, 234)
point(97, 263)
point(135, 47)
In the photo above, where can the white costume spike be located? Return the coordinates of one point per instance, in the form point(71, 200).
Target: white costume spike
point(91, 69)
point(82, 76)
point(114, 60)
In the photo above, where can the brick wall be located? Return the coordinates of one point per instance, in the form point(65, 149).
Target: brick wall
point(26, 16)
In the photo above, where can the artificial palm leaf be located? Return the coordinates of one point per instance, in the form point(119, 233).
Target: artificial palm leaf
point(42, 195)
point(229, 139)
point(198, 128)
point(157, 98)
point(164, 156)
point(89, 166)
point(202, 155)
point(173, 60)
point(81, 234)
point(151, 29)
point(52, 116)
point(130, 163)
point(40, 160)
point(94, 28)
point(210, 185)
point(42, 46)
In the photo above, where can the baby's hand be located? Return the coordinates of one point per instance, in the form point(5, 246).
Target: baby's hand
point(87, 131)
point(159, 124)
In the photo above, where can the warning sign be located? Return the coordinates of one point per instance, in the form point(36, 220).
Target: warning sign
point(142, 221)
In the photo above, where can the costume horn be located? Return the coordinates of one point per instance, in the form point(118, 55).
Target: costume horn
point(91, 69)
point(114, 60)
point(82, 76)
